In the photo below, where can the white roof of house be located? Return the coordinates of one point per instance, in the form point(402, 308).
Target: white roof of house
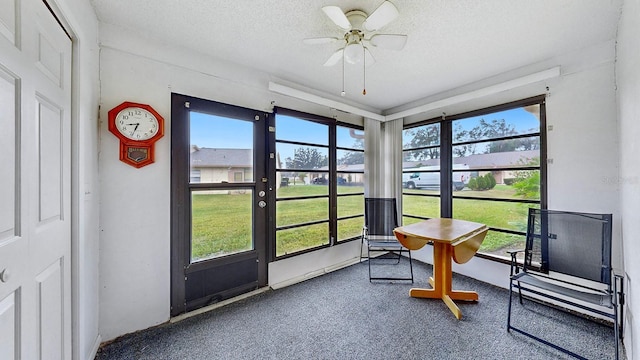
point(483, 161)
point(210, 157)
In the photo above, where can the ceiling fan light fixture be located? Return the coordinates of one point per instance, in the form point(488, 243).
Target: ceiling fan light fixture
point(354, 52)
point(355, 49)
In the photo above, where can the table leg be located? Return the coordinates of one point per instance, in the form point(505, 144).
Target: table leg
point(441, 274)
point(464, 295)
point(452, 306)
point(441, 281)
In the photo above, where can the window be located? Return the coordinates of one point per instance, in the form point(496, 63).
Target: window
point(349, 182)
point(495, 170)
point(319, 172)
point(421, 173)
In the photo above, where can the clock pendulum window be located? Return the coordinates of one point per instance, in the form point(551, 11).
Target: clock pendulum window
point(138, 126)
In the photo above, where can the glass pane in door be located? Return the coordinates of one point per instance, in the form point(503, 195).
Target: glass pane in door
point(221, 149)
point(222, 186)
point(221, 223)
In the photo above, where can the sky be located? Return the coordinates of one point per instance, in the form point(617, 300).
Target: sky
point(219, 132)
point(521, 119)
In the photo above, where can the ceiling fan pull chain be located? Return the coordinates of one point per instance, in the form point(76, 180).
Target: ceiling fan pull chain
point(364, 71)
point(343, 93)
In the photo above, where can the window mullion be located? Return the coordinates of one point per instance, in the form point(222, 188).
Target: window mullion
point(446, 167)
point(333, 186)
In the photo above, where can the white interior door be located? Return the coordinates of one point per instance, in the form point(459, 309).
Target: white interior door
point(35, 183)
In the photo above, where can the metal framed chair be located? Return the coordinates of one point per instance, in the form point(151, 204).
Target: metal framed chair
point(567, 259)
point(380, 218)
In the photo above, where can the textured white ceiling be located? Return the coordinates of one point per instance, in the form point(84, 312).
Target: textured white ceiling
point(451, 43)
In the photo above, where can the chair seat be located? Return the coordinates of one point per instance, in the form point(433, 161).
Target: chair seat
point(387, 245)
point(596, 297)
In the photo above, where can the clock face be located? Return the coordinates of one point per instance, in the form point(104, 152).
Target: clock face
point(136, 123)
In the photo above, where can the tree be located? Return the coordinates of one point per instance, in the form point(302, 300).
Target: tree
point(306, 158)
point(529, 143)
point(496, 128)
point(353, 157)
point(426, 136)
point(462, 135)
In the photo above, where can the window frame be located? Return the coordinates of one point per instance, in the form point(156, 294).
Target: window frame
point(332, 172)
point(350, 194)
point(447, 196)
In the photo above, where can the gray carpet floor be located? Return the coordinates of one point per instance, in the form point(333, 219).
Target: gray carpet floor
point(341, 315)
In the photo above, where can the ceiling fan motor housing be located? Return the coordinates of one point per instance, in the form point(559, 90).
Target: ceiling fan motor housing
point(356, 18)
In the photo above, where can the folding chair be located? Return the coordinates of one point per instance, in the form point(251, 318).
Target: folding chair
point(567, 260)
point(380, 218)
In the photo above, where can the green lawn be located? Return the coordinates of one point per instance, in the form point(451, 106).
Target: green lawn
point(222, 222)
point(497, 214)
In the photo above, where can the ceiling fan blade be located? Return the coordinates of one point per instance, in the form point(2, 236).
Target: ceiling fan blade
point(383, 15)
point(333, 59)
point(337, 16)
point(389, 41)
point(322, 40)
point(368, 58)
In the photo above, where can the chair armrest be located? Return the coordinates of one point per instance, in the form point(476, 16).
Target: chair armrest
point(514, 262)
point(618, 286)
point(618, 273)
point(514, 251)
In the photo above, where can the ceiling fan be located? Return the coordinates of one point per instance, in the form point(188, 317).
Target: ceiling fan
point(359, 26)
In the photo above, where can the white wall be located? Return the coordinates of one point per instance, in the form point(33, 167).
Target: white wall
point(135, 244)
point(135, 210)
point(582, 133)
point(628, 81)
point(79, 18)
point(134, 214)
point(582, 146)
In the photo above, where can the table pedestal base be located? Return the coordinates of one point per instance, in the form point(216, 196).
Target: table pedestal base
point(441, 281)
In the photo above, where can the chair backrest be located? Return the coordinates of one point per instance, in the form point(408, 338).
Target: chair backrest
point(380, 216)
point(571, 243)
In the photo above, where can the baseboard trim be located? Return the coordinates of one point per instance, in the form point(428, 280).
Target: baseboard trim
point(205, 309)
point(315, 273)
point(95, 348)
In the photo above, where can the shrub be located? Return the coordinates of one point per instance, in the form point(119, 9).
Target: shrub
point(491, 180)
point(473, 184)
point(529, 187)
point(481, 183)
